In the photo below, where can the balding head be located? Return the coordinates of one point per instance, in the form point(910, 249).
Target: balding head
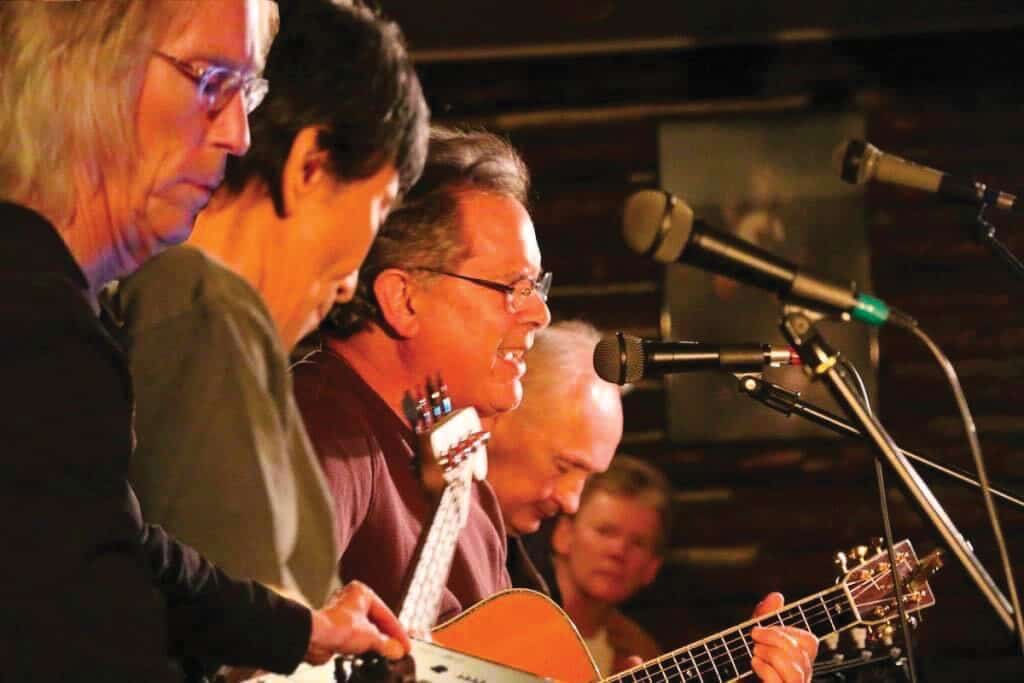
point(568, 427)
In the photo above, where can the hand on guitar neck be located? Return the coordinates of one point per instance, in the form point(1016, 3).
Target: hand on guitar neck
point(781, 653)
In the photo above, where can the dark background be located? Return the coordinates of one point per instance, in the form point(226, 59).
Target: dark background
point(580, 88)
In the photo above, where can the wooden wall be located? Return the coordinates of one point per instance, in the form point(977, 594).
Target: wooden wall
point(762, 517)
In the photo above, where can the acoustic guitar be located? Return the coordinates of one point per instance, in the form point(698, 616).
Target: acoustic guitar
point(520, 633)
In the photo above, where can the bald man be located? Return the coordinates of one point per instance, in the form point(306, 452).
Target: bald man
point(566, 429)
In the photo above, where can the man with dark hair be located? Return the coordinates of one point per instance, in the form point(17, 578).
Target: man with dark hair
point(453, 286)
point(223, 460)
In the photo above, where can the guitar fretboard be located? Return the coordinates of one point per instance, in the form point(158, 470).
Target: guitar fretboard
point(726, 656)
point(423, 599)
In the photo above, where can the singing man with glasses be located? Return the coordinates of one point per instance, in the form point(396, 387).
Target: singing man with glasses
point(452, 286)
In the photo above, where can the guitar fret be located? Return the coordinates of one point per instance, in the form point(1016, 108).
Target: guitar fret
point(662, 668)
point(695, 666)
point(743, 639)
point(728, 653)
point(713, 666)
point(824, 604)
point(423, 598)
point(682, 674)
point(804, 617)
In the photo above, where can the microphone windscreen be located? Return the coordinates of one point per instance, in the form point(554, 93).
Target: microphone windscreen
point(849, 159)
point(619, 359)
point(652, 227)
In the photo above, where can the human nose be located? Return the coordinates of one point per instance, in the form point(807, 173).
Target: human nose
point(230, 129)
point(568, 493)
point(617, 545)
point(536, 311)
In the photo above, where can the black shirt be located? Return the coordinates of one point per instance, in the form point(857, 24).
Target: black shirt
point(88, 590)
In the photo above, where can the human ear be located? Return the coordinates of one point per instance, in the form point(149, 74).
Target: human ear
point(304, 171)
point(395, 290)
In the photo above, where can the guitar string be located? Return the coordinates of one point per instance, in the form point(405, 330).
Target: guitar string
point(702, 662)
point(716, 660)
point(439, 537)
point(727, 643)
point(808, 616)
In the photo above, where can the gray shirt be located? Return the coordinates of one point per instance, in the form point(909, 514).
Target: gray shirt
point(223, 460)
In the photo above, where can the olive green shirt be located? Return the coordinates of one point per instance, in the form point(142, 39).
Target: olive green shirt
point(223, 461)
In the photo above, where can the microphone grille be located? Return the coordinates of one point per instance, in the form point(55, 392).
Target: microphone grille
point(619, 358)
point(854, 161)
point(657, 225)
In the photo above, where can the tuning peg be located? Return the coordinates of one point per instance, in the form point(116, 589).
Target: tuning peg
point(425, 417)
point(929, 564)
point(877, 545)
point(417, 411)
point(444, 399)
point(860, 637)
point(842, 562)
point(884, 632)
point(831, 641)
point(433, 398)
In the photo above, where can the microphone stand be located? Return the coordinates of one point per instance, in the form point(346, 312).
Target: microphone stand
point(985, 233)
point(789, 402)
point(798, 327)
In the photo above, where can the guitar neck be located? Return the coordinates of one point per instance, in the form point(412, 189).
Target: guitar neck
point(423, 598)
point(726, 656)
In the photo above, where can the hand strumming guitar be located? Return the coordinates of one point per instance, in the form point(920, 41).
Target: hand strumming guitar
point(782, 654)
point(354, 621)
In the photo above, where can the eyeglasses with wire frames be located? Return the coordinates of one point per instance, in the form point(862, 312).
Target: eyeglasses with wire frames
point(217, 84)
point(517, 294)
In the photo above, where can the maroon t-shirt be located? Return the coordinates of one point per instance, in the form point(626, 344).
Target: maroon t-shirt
point(367, 454)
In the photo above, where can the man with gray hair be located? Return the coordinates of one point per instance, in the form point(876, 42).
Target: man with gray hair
point(452, 286)
point(567, 428)
point(541, 455)
point(156, 96)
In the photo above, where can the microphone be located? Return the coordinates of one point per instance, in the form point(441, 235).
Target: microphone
point(660, 225)
point(623, 358)
point(858, 162)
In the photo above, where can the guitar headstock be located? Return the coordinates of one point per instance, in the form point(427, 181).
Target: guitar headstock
point(871, 587)
point(452, 443)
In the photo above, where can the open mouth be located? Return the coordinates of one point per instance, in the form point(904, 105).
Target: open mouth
point(512, 356)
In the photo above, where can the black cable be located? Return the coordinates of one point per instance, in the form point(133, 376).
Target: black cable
point(890, 542)
point(979, 464)
point(985, 233)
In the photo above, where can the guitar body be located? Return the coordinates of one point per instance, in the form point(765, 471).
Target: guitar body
point(522, 629)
